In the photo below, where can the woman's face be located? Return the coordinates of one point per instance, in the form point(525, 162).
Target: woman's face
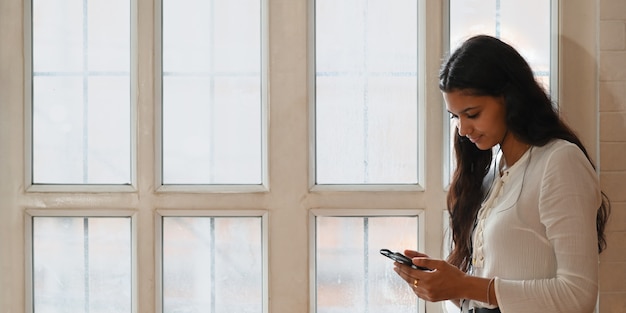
point(479, 118)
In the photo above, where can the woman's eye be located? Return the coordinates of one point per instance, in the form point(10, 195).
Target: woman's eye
point(452, 116)
point(472, 115)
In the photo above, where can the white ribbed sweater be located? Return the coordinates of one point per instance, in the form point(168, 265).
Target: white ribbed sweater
point(539, 237)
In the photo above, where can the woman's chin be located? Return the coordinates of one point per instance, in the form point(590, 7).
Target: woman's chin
point(483, 145)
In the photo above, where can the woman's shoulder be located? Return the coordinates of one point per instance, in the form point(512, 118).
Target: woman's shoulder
point(558, 143)
point(558, 146)
point(560, 152)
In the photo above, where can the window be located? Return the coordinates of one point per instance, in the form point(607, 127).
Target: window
point(214, 263)
point(350, 274)
point(367, 103)
point(81, 92)
point(366, 92)
point(193, 132)
point(80, 263)
point(105, 176)
point(212, 92)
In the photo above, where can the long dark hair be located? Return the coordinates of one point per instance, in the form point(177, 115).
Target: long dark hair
point(486, 66)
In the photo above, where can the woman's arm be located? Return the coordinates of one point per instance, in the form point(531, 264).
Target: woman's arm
point(569, 197)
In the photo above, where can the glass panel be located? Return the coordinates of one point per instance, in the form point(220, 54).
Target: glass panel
point(212, 264)
point(509, 21)
point(82, 264)
point(366, 92)
point(81, 92)
point(212, 92)
point(352, 275)
point(532, 40)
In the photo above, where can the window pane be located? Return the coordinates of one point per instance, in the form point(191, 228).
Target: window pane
point(507, 20)
point(212, 264)
point(212, 92)
point(366, 92)
point(82, 264)
point(81, 92)
point(352, 275)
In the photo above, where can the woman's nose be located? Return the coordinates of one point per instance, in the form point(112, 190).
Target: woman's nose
point(463, 127)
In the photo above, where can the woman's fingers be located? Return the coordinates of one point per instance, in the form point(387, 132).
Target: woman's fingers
point(414, 254)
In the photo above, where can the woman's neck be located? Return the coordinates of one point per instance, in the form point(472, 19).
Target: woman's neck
point(512, 149)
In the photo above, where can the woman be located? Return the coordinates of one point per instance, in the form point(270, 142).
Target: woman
point(527, 221)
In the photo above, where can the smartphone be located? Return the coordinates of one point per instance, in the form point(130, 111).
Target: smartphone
point(401, 258)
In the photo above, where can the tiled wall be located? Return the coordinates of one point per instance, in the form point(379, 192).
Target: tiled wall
point(612, 85)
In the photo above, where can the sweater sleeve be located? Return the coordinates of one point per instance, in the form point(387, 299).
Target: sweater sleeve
point(569, 197)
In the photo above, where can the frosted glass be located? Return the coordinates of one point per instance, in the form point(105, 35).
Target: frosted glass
point(526, 25)
point(109, 36)
point(351, 274)
point(58, 35)
point(82, 264)
point(81, 92)
point(212, 264)
point(471, 17)
point(212, 116)
point(366, 92)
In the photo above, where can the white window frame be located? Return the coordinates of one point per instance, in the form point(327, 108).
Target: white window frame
point(158, 98)
point(289, 194)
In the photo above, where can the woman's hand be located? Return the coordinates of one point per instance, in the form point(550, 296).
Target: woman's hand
point(443, 282)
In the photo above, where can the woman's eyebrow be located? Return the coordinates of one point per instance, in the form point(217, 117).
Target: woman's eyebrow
point(463, 111)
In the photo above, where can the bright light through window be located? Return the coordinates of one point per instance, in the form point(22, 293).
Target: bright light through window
point(212, 92)
point(366, 92)
point(352, 275)
point(81, 92)
point(508, 20)
point(82, 264)
point(212, 264)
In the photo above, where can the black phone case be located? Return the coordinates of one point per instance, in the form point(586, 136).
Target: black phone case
point(401, 258)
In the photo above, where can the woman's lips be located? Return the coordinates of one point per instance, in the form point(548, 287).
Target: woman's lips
point(474, 139)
